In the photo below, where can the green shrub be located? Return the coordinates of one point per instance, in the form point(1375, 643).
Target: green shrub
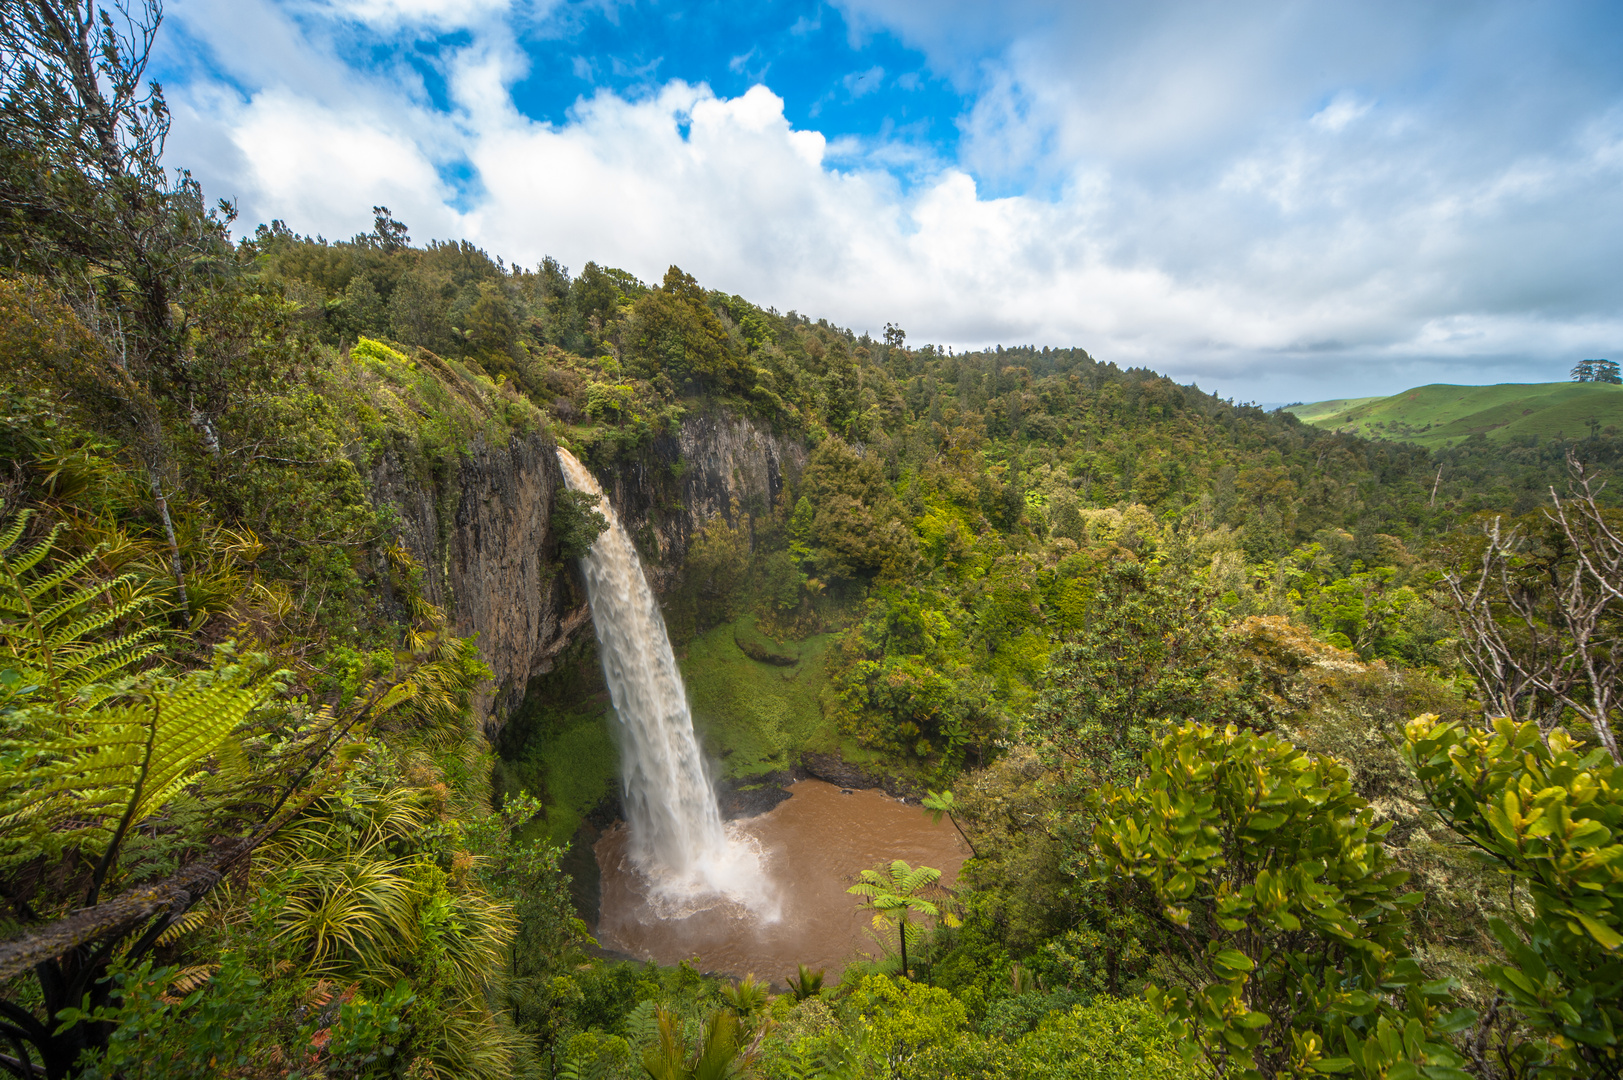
point(1270, 873)
point(1109, 1039)
point(1547, 810)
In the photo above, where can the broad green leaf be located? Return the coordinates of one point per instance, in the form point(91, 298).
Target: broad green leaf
point(1608, 938)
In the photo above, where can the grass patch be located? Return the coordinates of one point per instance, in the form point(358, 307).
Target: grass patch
point(756, 716)
point(558, 745)
point(1442, 415)
point(571, 764)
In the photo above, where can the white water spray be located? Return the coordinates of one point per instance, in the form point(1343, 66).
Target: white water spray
point(677, 837)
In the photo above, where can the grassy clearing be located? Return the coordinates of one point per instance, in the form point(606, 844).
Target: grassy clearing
point(754, 715)
point(1442, 415)
point(1322, 410)
point(569, 759)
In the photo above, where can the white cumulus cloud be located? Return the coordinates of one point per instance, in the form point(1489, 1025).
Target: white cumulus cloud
point(1180, 220)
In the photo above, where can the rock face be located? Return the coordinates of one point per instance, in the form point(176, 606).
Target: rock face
point(718, 464)
point(483, 541)
point(482, 533)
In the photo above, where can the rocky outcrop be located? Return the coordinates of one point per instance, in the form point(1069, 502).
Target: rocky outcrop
point(730, 463)
point(481, 535)
point(481, 532)
point(834, 769)
point(719, 464)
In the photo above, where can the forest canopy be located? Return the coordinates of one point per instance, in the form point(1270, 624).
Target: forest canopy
point(1281, 752)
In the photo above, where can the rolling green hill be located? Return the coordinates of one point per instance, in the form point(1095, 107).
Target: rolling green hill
point(1322, 410)
point(1442, 415)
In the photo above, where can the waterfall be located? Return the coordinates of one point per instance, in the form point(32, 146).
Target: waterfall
point(677, 838)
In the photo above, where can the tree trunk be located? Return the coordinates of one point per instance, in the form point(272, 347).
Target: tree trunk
point(174, 544)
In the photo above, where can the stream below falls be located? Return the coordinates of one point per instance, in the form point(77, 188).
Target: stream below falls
point(813, 846)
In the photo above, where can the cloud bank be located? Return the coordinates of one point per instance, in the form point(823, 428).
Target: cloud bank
point(1277, 201)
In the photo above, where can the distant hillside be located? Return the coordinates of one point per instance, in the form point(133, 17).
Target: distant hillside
point(1323, 410)
point(1442, 415)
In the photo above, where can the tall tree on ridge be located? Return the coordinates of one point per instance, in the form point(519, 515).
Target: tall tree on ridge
point(83, 190)
point(85, 202)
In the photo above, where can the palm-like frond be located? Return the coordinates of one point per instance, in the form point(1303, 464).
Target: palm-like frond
point(77, 776)
point(52, 617)
point(667, 1058)
point(358, 912)
point(807, 983)
point(719, 1055)
point(747, 996)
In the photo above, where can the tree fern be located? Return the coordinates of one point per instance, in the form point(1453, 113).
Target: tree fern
point(50, 623)
point(79, 776)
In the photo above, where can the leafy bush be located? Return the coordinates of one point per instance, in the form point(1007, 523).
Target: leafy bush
point(235, 1025)
point(1107, 1039)
point(1270, 872)
point(1549, 812)
point(577, 522)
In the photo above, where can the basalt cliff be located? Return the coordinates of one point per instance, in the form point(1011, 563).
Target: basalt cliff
point(482, 531)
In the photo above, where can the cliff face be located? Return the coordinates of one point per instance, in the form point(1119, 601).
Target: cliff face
point(718, 464)
point(483, 538)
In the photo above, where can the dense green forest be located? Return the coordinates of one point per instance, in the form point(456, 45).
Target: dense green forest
point(1282, 752)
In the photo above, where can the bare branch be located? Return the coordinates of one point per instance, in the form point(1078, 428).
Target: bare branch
point(1540, 628)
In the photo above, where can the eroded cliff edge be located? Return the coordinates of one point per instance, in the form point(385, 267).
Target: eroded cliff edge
point(718, 464)
point(481, 530)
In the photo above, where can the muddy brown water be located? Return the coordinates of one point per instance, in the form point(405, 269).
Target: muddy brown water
point(815, 844)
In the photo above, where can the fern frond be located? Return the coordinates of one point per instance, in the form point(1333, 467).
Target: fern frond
point(188, 979)
point(912, 880)
point(14, 531)
point(642, 1024)
point(55, 633)
point(234, 766)
point(179, 929)
point(114, 658)
point(51, 618)
point(39, 587)
point(72, 786)
point(31, 558)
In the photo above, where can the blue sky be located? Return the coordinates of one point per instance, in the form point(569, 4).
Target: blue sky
point(1279, 201)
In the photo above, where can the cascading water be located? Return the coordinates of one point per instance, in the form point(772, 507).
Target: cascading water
point(677, 838)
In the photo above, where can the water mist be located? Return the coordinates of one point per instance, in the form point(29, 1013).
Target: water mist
point(677, 838)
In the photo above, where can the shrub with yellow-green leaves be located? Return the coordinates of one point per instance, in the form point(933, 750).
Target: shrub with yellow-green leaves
point(1548, 811)
point(1269, 871)
point(1107, 1039)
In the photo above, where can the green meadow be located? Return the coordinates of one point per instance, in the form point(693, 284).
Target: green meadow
point(1442, 415)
